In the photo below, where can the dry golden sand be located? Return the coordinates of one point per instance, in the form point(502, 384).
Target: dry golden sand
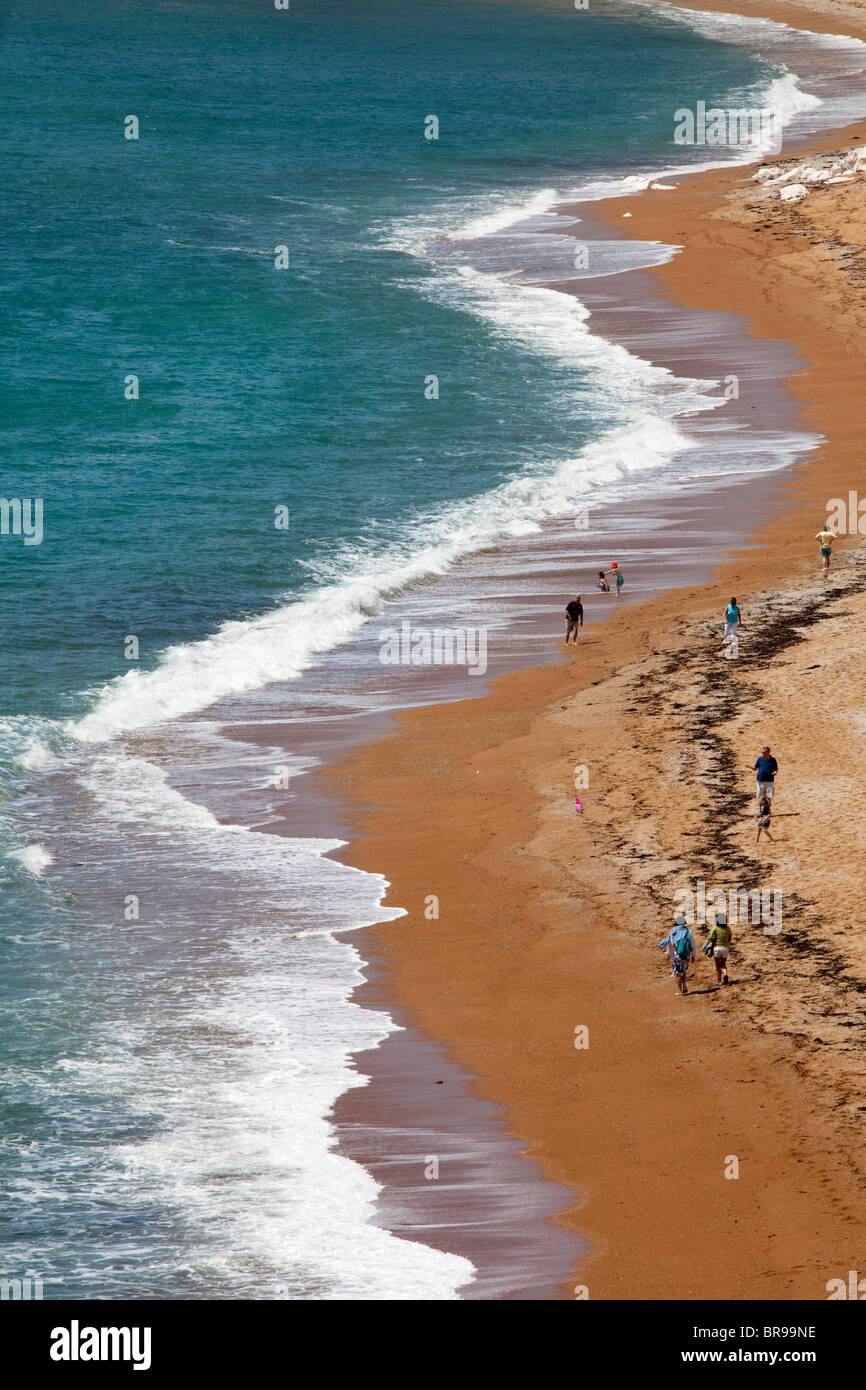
point(549, 920)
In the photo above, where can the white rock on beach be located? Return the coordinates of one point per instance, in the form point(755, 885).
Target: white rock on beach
point(792, 176)
point(793, 192)
point(840, 171)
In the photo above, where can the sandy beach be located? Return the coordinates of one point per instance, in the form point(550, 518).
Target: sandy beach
point(548, 921)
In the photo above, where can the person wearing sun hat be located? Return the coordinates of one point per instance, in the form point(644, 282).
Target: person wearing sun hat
point(680, 947)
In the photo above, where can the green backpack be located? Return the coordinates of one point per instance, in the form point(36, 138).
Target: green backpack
point(683, 947)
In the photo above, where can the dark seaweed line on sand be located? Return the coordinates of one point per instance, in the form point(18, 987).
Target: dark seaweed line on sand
point(704, 694)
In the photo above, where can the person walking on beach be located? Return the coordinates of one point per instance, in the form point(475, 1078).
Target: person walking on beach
point(601, 583)
point(764, 816)
point(574, 618)
point(617, 576)
point(721, 940)
point(825, 539)
point(766, 767)
point(733, 618)
point(680, 948)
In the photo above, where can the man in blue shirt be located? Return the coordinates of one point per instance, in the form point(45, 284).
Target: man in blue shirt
point(766, 767)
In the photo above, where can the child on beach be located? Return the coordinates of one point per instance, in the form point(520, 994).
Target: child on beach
point(680, 948)
point(765, 812)
point(617, 576)
point(601, 583)
point(733, 618)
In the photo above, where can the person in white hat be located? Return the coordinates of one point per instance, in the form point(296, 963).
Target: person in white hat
point(680, 947)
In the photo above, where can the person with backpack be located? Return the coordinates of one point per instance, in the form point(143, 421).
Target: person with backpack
point(720, 941)
point(680, 947)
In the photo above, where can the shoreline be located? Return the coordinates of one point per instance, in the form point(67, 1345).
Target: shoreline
point(504, 1203)
point(387, 775)
point(451, 1173)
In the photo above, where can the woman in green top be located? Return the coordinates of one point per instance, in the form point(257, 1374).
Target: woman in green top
point(721, 941)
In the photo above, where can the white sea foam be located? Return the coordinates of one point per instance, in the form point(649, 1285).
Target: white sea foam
point(240, 1143)
point(505, 216)
point(36, 757)
point(34, 858)
point(557, 326)
point(133, 791)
